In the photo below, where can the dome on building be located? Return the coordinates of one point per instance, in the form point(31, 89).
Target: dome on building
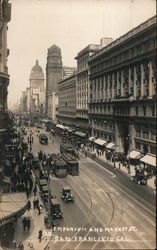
point(37, 72)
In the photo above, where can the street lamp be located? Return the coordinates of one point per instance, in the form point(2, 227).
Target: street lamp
point(128, 154)
point(30, 141)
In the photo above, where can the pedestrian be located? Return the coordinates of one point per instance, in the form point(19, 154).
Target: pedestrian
point(27, 192)
point(29, 205)
point(28, 223)
point(34, 204)
point(37, 202)
point(20, 246)
point(24, 222)
point(39, 209)
point(40, 233)
point(35, 190)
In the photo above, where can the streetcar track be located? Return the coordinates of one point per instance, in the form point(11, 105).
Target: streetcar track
point(138, 197)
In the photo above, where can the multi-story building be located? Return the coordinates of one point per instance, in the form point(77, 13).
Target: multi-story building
point(82, 83)
point(54, 71)
point(68, 71)
point(37, 89)
point(5, 17)
point(23, 102)
point(123, 89)
point(67, 101)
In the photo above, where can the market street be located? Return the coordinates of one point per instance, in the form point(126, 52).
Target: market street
point(117, 207)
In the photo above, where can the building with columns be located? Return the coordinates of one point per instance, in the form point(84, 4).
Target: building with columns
point(82, 83)
point(37, 89)
point(67, 101)
point(122, 77)
point(5, 17)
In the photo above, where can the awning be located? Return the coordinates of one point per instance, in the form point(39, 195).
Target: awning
point(7, 180)
point(135, 154)
point(100, 142)
point(149, 159)
point(110, 145)
point(80, 134)
point(60, 126)
point(92, 138)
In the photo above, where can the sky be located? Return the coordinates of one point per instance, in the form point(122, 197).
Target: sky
point(70, 24)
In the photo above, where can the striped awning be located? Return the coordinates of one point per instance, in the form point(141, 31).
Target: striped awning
point(92, 138)
point(135, 154)
point(80, 134)
point(100, 142)
point(110, 145)
point(149, 159)
point(59, 126)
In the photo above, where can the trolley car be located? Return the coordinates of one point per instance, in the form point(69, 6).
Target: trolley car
point(60, 168)
point(72, 164)
point(66, 148)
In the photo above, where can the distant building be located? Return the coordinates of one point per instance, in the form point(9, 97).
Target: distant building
point(82, 83)
point(37, 89)
point(67, 101)
point(68, 71)
point(122, 107)
point(5, 17)
point(23, 102)
point(54, 71)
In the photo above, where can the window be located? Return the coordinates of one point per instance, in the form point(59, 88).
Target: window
point(1, 95)
point(153, 110)
point(153, 137)
point(153, 150)
point(138, 145)
point(146, 135)
point(144, 110)
point(138, 133)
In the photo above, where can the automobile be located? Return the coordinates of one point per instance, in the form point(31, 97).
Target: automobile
point(66, 194)
point(139, 179)
point(55, 209)
point(43, 139)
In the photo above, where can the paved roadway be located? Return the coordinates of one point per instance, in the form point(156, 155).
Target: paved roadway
point(109, 212)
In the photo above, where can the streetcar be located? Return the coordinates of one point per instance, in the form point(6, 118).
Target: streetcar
point(60, 168)
point(66, 148)
point(43, 139)
point(72, 164)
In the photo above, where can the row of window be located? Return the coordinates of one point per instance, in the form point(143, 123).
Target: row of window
point(148, 111)
point(147, 135)
point(124, 56)
point(149, 149)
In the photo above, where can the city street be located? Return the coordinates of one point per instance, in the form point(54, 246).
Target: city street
point(109, 211)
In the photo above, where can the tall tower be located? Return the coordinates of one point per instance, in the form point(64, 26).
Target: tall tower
point(37, 91)
point(54, 70)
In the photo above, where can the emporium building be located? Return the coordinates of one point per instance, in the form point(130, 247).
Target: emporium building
point(122, 76)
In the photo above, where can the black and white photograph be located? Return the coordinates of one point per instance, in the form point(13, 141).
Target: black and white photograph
point(78, 124)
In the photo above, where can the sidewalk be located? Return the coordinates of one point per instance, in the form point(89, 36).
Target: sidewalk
point(150, 182)
point(30, 239)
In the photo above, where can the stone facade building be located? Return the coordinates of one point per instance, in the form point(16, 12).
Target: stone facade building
point(82, 83)
point(37, 89)
point(5, 17)
point(123, 90)
point(54, 70)
point(67, 101)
